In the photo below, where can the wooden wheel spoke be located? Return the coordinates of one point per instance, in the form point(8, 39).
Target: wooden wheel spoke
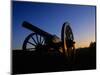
point(37, 38)
point(34, 40)
point(31, 48)
point(40, 39)
point(31, 43)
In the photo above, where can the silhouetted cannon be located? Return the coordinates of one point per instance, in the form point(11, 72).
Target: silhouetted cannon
point(40, 40)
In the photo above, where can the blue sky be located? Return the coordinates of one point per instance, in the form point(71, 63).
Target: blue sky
point(50, 18)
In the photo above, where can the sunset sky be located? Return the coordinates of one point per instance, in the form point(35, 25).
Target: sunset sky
point(50, 18)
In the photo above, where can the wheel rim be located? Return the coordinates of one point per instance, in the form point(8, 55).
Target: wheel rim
point(33, 42)
point(66, 34)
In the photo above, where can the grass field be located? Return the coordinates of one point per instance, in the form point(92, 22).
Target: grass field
point(24, 62)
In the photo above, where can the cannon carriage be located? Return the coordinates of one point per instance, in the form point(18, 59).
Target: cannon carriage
point(42, 41)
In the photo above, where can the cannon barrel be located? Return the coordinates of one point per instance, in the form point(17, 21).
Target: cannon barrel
point(36, 30)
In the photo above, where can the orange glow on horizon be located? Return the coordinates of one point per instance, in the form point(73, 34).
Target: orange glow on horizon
point(83, 44)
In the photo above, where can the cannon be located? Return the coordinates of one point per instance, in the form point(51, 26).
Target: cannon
point(42, 41)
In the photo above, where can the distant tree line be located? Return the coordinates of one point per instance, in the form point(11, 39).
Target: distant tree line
point(92, 45)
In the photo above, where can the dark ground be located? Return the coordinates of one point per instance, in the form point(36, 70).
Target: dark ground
point(31, 62)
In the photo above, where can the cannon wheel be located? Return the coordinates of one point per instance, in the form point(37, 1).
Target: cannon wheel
point(66, 34)
point(33, 42)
